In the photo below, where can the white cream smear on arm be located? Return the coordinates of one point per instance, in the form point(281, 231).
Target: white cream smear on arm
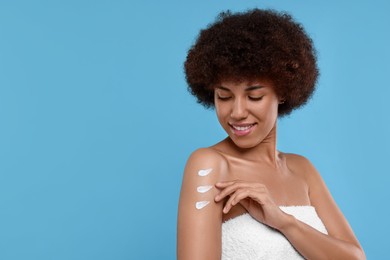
point(201, 204)
point(204, 172)
point(203, 189)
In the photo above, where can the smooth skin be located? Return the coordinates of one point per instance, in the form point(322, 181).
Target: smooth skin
point(251, 176)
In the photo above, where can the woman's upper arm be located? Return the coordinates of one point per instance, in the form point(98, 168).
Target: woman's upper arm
point(327, 209)
point(199, 217)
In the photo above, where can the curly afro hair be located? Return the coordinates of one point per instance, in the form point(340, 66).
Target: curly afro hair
point(253, 45)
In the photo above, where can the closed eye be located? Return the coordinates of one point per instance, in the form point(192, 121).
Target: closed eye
point(223, 98)
point(255, 98)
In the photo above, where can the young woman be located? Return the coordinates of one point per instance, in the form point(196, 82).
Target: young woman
point(242, 198)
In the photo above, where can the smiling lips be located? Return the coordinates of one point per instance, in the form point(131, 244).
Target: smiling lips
point(241, 129)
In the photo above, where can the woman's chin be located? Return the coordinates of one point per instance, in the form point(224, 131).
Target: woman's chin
point(243, 144)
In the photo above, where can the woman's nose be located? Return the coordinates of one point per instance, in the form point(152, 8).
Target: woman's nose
point(239, 110)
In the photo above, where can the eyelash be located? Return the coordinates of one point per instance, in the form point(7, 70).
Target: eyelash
point(223, 98)
point(256, 98)
point(251, 98)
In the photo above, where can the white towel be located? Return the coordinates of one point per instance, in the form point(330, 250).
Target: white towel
point(244, 238)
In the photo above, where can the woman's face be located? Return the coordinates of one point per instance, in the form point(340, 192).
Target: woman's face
point(247, 110)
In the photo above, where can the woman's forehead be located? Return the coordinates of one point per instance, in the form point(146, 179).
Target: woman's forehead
point(251, 84)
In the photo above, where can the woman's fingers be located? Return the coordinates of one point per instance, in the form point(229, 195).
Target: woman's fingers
point(242, 194)
point(230, 187)
point(224, 184)
point(233, 200)
point(254, 197)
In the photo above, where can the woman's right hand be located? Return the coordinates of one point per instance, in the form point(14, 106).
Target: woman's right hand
point(255, 198)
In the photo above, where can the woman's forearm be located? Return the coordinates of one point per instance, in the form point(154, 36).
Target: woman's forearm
point(313, 244)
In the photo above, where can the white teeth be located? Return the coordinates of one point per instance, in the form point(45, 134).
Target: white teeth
point(242, 128)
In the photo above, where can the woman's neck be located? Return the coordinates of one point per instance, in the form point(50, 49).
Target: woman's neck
point(264, 152)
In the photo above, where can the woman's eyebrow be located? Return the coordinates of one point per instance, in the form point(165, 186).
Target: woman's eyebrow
point(253, 88)
point(249, 88)
point(223, 88)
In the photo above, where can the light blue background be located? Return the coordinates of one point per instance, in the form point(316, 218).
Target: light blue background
point(96, 123)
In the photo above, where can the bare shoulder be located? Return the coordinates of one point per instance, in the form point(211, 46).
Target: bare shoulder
point(207, 158)
point(205, 166)
point(207, 155)
point(301, 165)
